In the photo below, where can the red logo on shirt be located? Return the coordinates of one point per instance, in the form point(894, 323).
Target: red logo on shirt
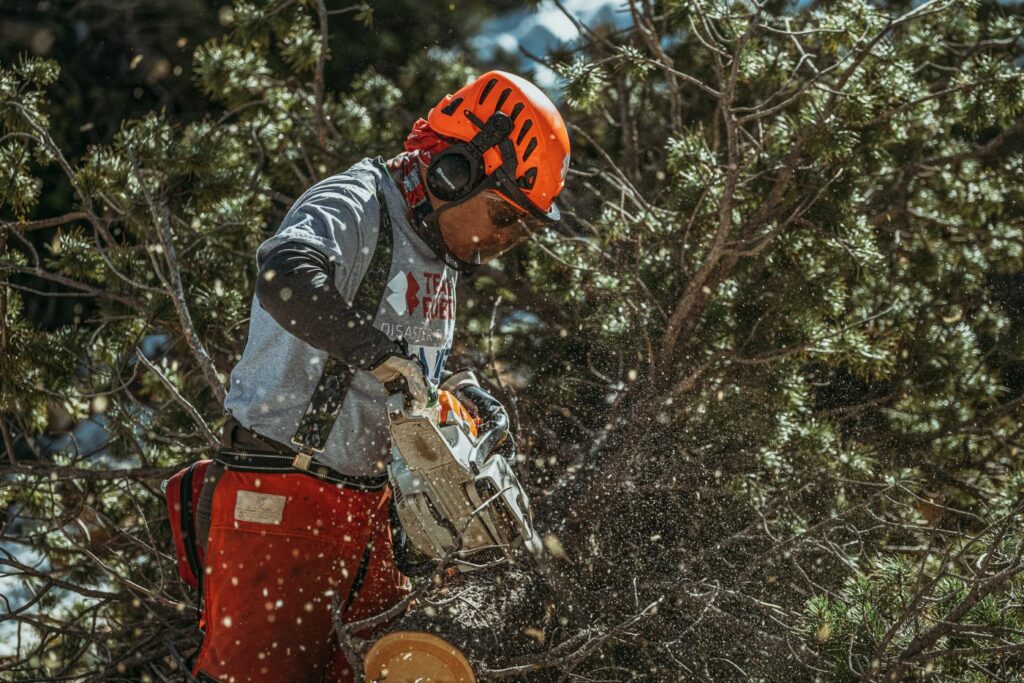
point(411, 300)
point(433, 299)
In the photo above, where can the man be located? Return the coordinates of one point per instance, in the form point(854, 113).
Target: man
point(356, 291)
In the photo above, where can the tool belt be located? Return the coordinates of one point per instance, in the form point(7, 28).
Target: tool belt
point(244, 450)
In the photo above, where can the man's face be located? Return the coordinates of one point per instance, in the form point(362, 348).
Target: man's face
point(485, 227)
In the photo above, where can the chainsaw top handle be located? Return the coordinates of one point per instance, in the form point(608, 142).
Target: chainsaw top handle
point(495, 425)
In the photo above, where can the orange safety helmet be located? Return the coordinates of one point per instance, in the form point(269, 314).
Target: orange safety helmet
point(537, 136)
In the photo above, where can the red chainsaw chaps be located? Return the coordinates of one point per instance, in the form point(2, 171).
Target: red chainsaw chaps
point(182, 493)
point(282, 549)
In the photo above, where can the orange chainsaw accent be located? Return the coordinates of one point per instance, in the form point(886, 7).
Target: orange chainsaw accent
point(453, 412)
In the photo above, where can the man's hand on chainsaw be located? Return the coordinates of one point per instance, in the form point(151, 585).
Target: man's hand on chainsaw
point(405, 374)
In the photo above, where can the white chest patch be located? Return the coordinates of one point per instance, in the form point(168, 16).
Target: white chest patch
point(262, 508)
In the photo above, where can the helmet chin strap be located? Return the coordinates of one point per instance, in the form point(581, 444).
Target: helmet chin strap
point(431, 233)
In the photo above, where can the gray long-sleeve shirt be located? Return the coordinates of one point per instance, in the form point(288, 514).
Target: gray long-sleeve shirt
point(272, 384)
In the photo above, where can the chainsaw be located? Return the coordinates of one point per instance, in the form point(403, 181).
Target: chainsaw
point(455, 497)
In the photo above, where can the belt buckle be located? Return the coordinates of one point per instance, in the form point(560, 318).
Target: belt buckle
point(302, 461)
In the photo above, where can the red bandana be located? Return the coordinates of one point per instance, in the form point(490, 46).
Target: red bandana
point(422, 144)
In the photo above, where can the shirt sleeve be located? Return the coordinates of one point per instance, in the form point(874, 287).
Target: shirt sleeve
point(328, 217)
point(295, 286)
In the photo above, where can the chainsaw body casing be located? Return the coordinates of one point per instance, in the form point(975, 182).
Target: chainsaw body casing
point(442, 489)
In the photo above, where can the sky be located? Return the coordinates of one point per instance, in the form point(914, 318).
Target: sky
point(539, 31)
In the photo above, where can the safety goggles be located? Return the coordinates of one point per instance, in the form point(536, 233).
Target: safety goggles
point(510, 226)
point(506, 216)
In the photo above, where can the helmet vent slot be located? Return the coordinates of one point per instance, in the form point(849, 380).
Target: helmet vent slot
point(529, 148)
point(504, 96)
point(452, 106)
point(487, 90)
point(516, 110)
point(527, 125)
